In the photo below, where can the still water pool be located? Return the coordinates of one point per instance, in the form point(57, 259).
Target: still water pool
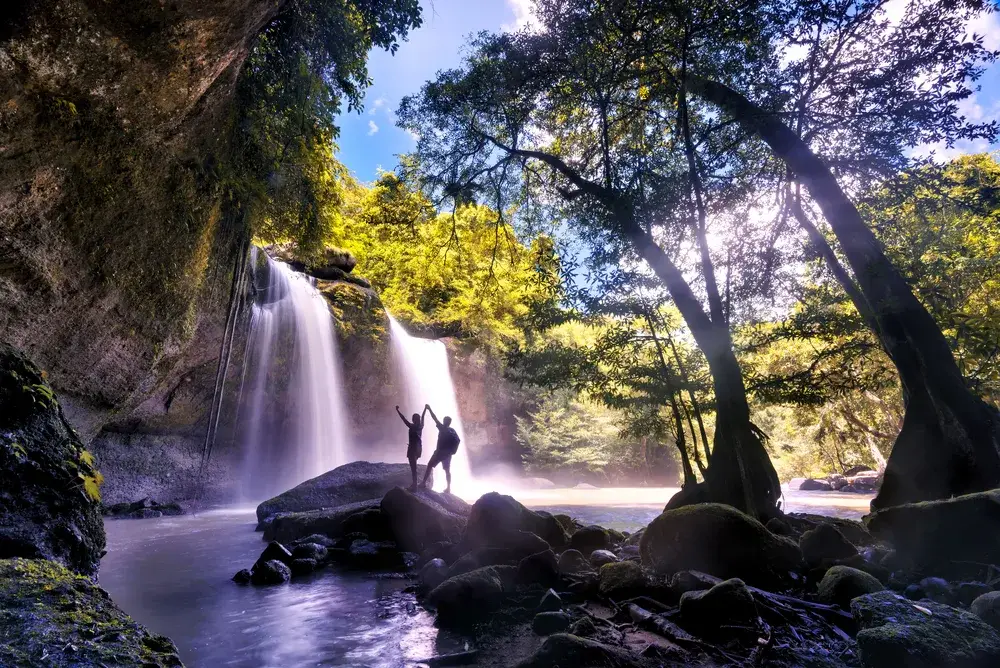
point(173, 575)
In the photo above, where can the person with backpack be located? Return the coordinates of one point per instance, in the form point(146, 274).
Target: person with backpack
point(414, 446)
point(447, 446)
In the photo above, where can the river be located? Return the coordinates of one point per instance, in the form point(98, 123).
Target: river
point(172, 574)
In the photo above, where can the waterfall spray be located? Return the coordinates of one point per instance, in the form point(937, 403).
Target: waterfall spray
point(296, 424)
point(428, 381)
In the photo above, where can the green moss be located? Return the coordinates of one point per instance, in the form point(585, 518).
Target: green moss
point(621, 580)
point(48, 611)
point(841, 584)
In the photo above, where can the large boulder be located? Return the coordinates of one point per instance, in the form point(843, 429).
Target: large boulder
point(621, 580)
point(590, 538)
point(494, 518)
point(45, 610)
point(49, 489)
point(420, 519)
point(842, 584)
point(987, 608)
point(468, 596)
point(331, 522)
point(350, 483)
point(935, 534)
point(719, 540)
point(813, 485)
point(270, 573)
point(895, 633)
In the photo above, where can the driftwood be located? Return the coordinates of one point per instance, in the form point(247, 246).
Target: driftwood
point(457, 659)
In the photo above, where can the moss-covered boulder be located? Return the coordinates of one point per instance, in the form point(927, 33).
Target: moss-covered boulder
point(987, 608)
point(841, 584)
point(621, 580)
point(719, 540)
point(52, 617)
point(934, 535)
point(897, 633)
point(331, 522)
point(590, 538)
point(49, 489)
point(496, 518)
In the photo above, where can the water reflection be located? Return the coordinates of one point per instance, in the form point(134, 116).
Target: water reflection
point(172, 575)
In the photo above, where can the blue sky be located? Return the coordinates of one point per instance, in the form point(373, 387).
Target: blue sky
point(371, 140)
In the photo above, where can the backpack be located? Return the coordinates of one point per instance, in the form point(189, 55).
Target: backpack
point(452, 440)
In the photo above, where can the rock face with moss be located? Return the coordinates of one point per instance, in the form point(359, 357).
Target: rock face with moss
point(50, 616)
point(49, 488)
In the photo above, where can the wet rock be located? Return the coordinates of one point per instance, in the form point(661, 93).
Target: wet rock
point(935, 534)
point(288, 527)
point(837, 481)
point(49, 486)
point(550, 601)
point(302, 566)
point(433, 573)
point(270, 573)
point(854, 531)
point(313, 551)
point(495, 518)
point(600, 557)
point(573, 561)
point(630, 552)
point(521, 544)
point(419, 519)
point(371, 522)
point(812, 485)
point(449, 552)
point(717, 539)
point(896, 633)
point(987, 608)
point(583, 627)
point(540, 568)
point(144, 514)
point(728, 603)
point(685, 581)
point(568, 524)
point(590, 538)
point(825, 542)
point(318, 539)
point(381, 556)
point(547, 623)
point(467, 597)
point(275, 551)
point(242, 576)
point(561, 650)
point(621, 580)
point(841, 584)
point(49, 615)
point(348, 484)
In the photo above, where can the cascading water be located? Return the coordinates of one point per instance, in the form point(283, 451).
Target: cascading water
point(428, 381)
point(295, 421)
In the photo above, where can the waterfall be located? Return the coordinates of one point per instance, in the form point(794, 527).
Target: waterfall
point(295, 421)
point(428, 381)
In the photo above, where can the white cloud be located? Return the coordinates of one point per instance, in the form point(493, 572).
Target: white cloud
point(376, 105)
point(987, 25)
point(372, 128)
point(415, 136)
point(524, 15)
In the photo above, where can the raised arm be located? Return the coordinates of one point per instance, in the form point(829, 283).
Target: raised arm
point(427, 407)
point(403, 417)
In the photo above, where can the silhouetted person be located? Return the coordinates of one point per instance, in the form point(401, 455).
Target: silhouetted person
point(447, 446)
point(414, 445)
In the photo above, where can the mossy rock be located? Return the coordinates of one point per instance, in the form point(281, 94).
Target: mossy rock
point(987, 608)
point(48, 611)
point(469, 596)
point(49, 488)
point(719, 540)
point(729, 603)
point(621, 580)
point(934, 535)
point(897, 633)
point(825, 542)
point(841, 584)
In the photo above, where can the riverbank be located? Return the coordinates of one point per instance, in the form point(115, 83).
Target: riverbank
point(172, 574)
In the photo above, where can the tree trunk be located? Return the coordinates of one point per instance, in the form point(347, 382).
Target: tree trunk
point(950, 441)
point(739, 470)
